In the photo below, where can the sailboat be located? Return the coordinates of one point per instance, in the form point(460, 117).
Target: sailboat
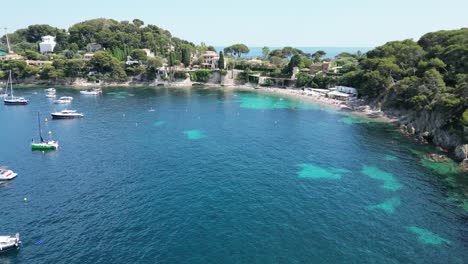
point(11, 99)
point(43, 145)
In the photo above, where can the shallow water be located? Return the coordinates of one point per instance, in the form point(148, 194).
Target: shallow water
point(214, 176)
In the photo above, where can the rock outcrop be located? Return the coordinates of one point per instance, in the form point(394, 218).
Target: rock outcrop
point(461, 152)
point(431, 126)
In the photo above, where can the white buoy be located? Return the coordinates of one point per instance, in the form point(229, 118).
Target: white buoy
point(50, 133)
point(46, 120)
point(25, 199)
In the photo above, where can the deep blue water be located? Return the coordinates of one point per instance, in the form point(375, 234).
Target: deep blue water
point(331, 52)
point(216, 176)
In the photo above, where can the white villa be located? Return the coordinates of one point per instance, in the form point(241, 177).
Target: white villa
point(210, 60)
point(47, 45)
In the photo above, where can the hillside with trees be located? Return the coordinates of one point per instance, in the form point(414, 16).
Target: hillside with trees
point(114, 41)
point(428, 77)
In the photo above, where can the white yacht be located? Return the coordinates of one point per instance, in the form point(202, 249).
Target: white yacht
point(50, 91)
point(95, 91)
point(8, 243)
point(6, 175)
point(66, 114)
point(64, 100)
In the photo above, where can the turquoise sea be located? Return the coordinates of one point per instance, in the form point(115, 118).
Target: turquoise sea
point(214, 176)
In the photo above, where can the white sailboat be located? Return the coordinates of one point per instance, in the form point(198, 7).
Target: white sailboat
point(11, 99)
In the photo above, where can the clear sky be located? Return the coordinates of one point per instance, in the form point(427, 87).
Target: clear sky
point(300, 23)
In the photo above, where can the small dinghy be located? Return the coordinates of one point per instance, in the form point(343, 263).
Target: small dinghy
point(8, 243)
point(66, 114)
point(6, 175)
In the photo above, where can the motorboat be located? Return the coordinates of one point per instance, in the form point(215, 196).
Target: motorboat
point(8, 243)
point(95, 91)
point(50, 91)
point(50, 95)
point(66, 114)
point(6, 175)
point(43, 144)
point(11, 99)
point(64, 100)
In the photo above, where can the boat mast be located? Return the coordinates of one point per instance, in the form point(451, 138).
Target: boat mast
point(10, 80)
point(40, 130)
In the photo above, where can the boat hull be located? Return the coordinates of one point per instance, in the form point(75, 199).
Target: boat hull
point(66, 117)
point(43, 147)
point(9, 177)
point(7, 102)
point(9, 248)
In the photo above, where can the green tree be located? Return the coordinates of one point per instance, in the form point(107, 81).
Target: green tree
point(102, 62)
point(137, 22)
point(318, 55)
point(31, 55)
point(139, 55)
point(185, 54)
point(294, 62)
point(73, 68)
point(237, 49)
point(265, 52)
point(152, 66)
point(221, 60)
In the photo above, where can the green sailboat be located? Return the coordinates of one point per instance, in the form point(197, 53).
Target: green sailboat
point(43, 145)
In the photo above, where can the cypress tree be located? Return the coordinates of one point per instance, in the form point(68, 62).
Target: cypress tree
point(221, 60)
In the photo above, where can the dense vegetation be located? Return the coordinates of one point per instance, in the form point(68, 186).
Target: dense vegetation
point(117, 40)
point(428, 75)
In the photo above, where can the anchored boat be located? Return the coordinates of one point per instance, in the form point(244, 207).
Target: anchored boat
point(8, 243)
point(95, 91)
point(43, 145)
point(66, 114)
point(11, 99)
point(50, 92)
point(6, 175)
point(64, 100)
